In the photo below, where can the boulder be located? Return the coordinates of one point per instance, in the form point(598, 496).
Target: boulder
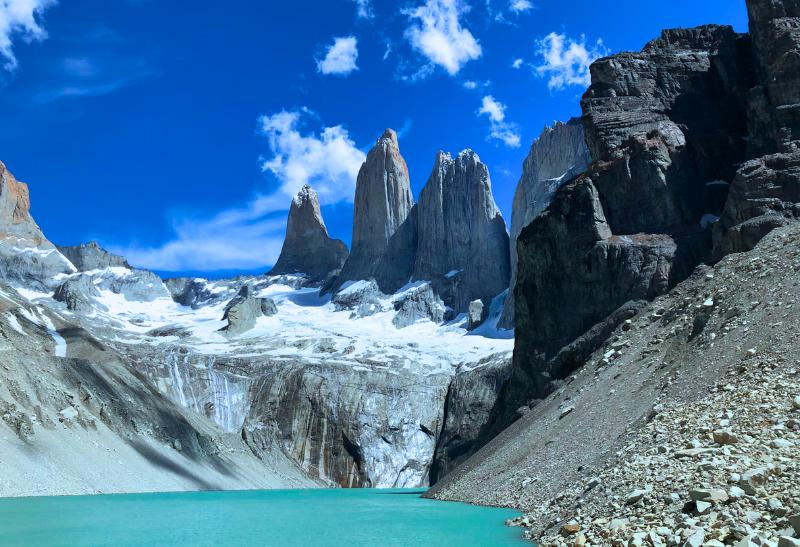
point(475, 314)
point(243, 311)
point(418, 304)
point(307, 248)
point(363, 298)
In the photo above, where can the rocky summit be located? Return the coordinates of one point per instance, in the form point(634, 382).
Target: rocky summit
point(91, 256)
point(307, 247)
point(382, 202)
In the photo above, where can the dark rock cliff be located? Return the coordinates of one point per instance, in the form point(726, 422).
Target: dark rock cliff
point(91, 256)
point(670, 130)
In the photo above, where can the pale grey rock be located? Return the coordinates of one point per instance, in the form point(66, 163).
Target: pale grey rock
point(475, 314)
point(556, 157)
point(307, 248)
point(27, 258)
point(91, 256)
point(363, 298)
point(244, 310)
point(462, 243)
point(382, 202)
point(418, 304)
point(77, 293)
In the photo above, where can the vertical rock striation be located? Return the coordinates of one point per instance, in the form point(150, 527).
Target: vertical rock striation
point(556, 157)
point(382, 202)
point(307, 248)
point(462, 243)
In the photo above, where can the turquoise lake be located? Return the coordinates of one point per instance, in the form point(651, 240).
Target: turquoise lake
point(276, 517)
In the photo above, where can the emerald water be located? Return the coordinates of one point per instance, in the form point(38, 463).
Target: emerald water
point(276, 517)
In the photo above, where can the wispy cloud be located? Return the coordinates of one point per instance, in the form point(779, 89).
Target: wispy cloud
point(566, 61)
point(501, 129)
point(517, 63)
point(520, 6)
point(86, 76)
point(250, 236)
point(435, 30)
point(20, 18)
point(364, 9)
point(340, 57)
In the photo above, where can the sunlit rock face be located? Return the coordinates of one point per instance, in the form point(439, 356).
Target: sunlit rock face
point(382, 203)
point(307, 248)
point(26, 256)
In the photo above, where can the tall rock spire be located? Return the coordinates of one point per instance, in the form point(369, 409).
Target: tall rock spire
point(382, 203)
point(462, 243)
point(308, 248)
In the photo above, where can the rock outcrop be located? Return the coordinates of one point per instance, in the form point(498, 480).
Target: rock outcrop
point(382, 202)
point(664, 127)
point(766, 189)
point(307, 248)
point(418, 304)
point(556, 157)
point(91, 256)
point(27, 258)
point(243, 311)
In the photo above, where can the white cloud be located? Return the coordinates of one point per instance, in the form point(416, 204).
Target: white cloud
point(20, 18)
point(519, 6)
point(493, 108)
point(517, 63)
point(329, 162)
point(340, 58)
point(566, 61)
point(435, 31)
point(250, 236)
point(501, 130)
point(470, 84)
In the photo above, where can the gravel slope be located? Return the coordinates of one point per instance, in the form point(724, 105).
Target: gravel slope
point(721, 346)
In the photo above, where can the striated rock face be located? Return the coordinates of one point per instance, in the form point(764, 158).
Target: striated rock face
point(418, 304)
point(91, 256)
point(308, 248)
point(556, 157)
point(666, 128)
point(350, 427)
point(766, 190)
point(462, 243)
point(382, 202)
point(27, 258)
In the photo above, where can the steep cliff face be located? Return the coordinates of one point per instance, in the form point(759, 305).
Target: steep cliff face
point(382, 202)
point(666, 128)
point(307, 248)
point(91, 256)
point(462, 243)
point(26, 256)
point(556, 157)
point(766, 189)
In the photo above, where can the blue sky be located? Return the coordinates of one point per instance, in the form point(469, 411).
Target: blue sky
point(176, 132)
